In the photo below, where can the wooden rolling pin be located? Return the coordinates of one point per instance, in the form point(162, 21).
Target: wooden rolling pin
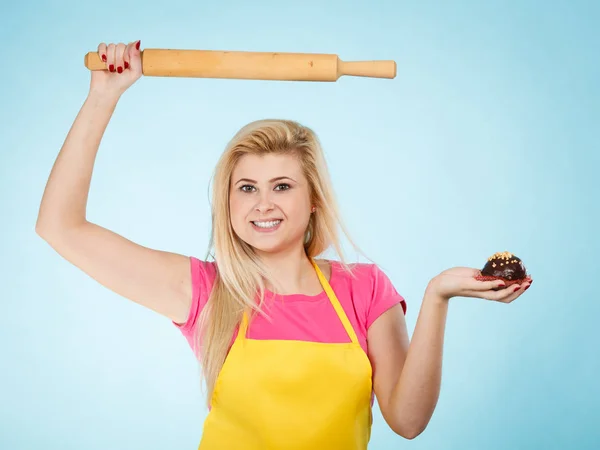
point(251, 65)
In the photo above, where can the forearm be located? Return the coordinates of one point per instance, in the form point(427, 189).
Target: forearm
point(416, 394)
point(65, 197)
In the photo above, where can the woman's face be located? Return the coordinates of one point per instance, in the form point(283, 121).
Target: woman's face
point(270, 202)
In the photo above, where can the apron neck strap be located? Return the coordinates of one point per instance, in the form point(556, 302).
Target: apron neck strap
point(332, 298)
point(336, 304)
point(243, 327)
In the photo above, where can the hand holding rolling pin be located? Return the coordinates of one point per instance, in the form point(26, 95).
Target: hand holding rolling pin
point(230, 64)
point(120, 65)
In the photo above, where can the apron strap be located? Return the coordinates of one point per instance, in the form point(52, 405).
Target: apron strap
point(336, 305)
point(243, 328)
point(334, 302)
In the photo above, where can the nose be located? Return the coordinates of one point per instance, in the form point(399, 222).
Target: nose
point(265, 203)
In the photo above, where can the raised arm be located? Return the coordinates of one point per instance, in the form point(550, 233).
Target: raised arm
point(155, 279)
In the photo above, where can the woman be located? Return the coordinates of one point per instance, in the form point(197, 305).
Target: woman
point(293, 349)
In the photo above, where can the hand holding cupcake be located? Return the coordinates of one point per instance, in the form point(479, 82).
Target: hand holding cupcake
point(503, 279)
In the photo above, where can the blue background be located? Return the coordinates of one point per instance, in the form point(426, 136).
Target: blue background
point(486, 141)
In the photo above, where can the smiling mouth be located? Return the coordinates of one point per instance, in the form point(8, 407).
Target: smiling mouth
point(266, 224)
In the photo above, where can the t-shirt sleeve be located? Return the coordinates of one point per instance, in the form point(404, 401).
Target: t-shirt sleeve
point(203, 275)
point(384, 295)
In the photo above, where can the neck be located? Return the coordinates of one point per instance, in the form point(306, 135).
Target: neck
point(291, 270)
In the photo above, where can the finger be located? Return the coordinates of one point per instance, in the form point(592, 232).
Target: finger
point(514, 292)
point(119, 57)
point(477, 285)
point(497, 296)
point(135, 61)
point(102, 51)
point(110, 57)
point(126, 56)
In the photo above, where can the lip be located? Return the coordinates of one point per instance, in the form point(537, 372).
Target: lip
point(266, 220)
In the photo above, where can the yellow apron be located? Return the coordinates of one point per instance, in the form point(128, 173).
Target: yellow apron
point(286, 394)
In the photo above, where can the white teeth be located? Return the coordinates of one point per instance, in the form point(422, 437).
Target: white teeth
point(270, 224)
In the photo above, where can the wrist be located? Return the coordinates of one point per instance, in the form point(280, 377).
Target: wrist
point(433, 294)
point(103, 97)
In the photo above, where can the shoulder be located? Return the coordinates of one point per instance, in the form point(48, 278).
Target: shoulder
point(358, 273)
point(203, 270)
point(369, 286)
point(203, 275)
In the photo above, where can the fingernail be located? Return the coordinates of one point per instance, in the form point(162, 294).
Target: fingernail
point(137, 46)
point(104, 58)
point(126, 64)
point(526, 287)
point(516, 289)
point(111, 68)
point(119, 69)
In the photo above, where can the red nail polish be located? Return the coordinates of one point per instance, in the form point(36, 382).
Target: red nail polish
point(111, 68)
point(119, 69)
point(526, 288)
point(104, 58)
point(516, 289)
point(137, 46)
point(126, 64)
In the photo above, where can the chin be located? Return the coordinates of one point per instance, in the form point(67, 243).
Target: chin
point(270, 245)
point(267, 247)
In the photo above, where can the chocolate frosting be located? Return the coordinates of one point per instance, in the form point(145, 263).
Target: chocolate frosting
point(504, 265)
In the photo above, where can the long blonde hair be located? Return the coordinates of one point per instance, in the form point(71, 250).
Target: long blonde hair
point(240, 273)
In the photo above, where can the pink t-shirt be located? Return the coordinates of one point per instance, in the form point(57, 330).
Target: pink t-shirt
point(302, 317)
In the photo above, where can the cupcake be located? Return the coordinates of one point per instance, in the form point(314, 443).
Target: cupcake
point(506, 267)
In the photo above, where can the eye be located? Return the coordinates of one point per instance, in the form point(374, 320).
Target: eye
point(283, 186)
point(246, 188)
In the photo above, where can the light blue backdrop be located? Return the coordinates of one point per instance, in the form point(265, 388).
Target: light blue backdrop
point(486, 141)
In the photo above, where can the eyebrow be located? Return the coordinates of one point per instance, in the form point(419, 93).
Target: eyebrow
point(272, 180)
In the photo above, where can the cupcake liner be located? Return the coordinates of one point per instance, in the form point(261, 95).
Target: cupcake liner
point(507, 282)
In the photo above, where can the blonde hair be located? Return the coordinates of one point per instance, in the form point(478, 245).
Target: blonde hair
point(240, 273)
